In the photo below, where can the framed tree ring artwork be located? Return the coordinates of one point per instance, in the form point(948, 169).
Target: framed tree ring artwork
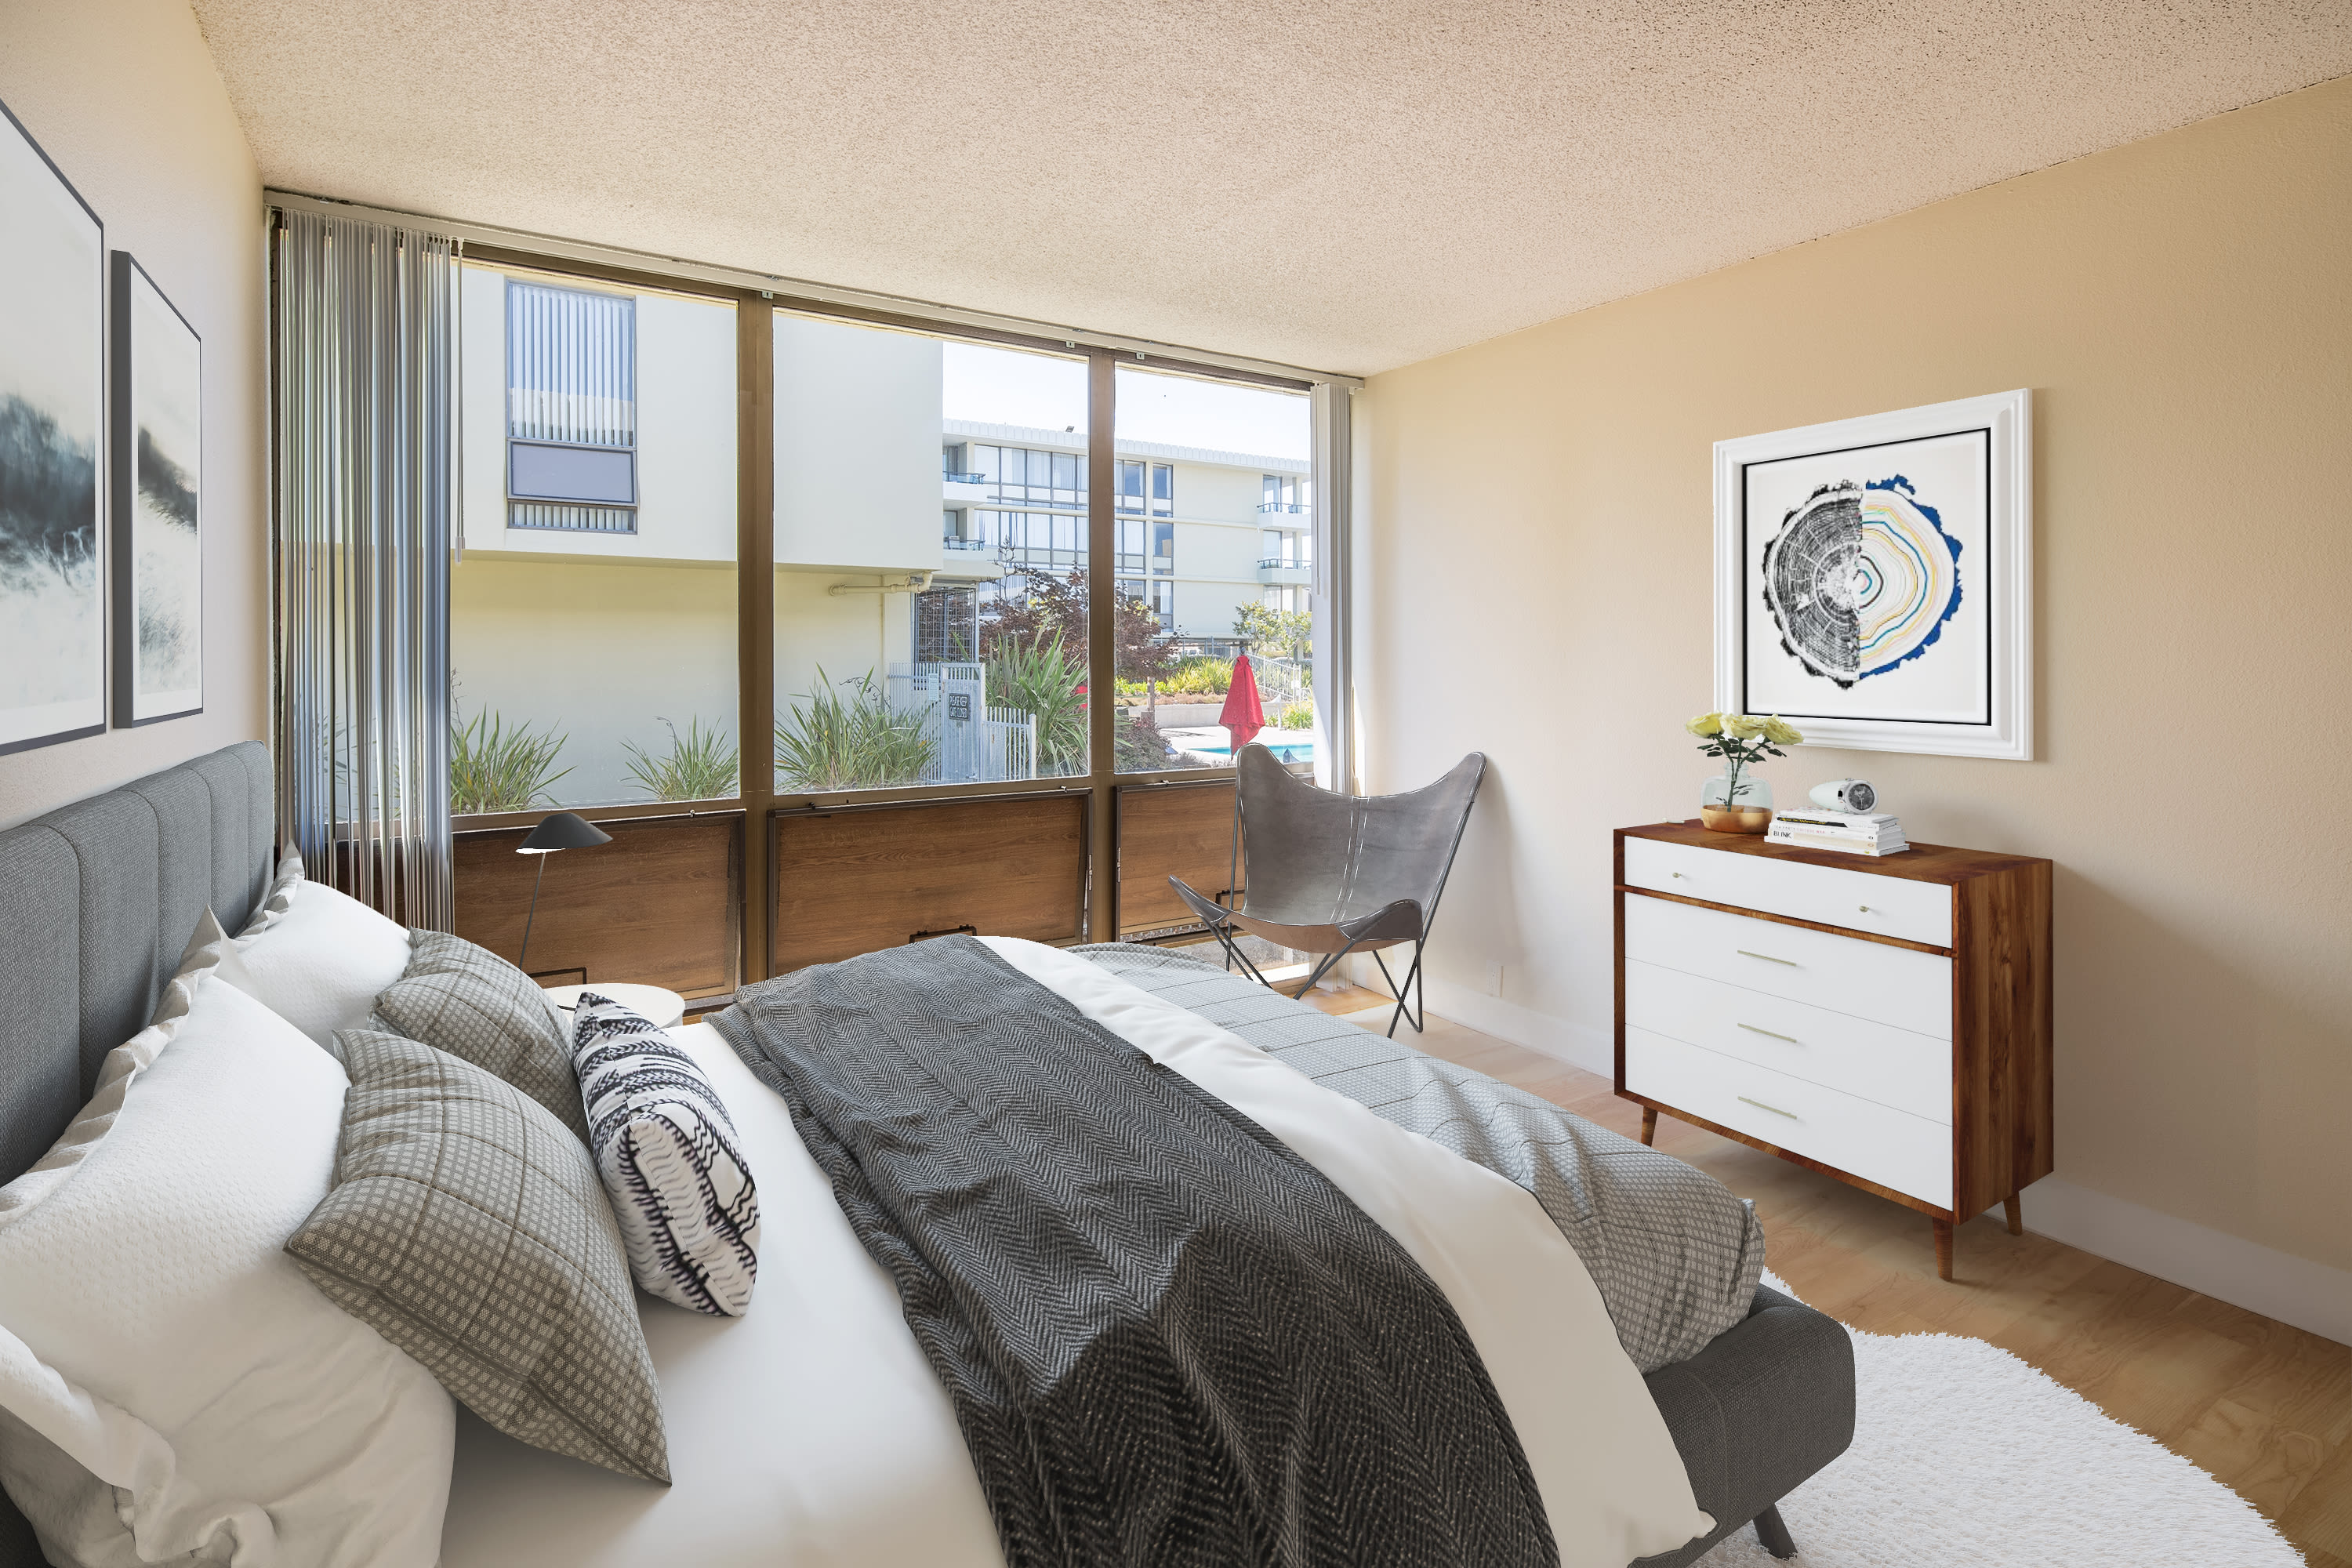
point(158, 484)
point(1874, 578)
point(52, 439)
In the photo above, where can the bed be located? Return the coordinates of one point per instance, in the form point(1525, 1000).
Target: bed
point(822, 1421)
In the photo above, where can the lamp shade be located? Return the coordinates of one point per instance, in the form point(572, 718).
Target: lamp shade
point(562, 830)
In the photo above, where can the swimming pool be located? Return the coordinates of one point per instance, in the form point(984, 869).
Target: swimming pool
point(1283, 750)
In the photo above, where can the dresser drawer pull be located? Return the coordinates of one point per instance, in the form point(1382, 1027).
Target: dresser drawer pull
point(1773, 1033)
point(1773, 1108)
point(1768, 958)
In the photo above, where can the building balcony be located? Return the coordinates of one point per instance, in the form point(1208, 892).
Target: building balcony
point(1278, 573)
point(953, 542)
point(955, 478)
point(1282, 506)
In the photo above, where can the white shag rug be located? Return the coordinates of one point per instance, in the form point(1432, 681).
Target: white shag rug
point(1964, 1455)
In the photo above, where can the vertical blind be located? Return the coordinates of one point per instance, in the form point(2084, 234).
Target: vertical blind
point(364, 385)
point(572, 365)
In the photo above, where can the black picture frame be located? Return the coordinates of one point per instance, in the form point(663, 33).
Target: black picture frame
point(156, 488)
point(53, 383)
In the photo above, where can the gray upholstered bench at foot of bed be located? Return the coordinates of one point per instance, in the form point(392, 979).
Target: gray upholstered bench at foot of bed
point(1755, 1413)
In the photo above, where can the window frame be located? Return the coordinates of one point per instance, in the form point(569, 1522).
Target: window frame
point(759, 801)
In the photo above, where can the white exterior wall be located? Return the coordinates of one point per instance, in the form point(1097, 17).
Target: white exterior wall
point(599, 651)
point(845, 636)
point(857, 448)
point(686, 433)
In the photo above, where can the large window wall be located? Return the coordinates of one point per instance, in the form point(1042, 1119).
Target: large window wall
point(701, 591)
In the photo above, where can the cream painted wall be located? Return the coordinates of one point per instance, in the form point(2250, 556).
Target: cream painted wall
point(123, 97)
point(1539, 515)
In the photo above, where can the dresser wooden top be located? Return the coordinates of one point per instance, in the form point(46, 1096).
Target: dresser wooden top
point(1920, 863)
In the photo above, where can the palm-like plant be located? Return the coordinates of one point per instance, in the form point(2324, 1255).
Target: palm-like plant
point(830, 741)
point(1038, 677)
point(701, 764)
point(492, 768)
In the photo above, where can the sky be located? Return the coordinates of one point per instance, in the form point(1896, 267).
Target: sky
point(1005, 386)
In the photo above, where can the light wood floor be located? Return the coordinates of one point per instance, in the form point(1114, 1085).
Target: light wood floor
point(2264, 1408)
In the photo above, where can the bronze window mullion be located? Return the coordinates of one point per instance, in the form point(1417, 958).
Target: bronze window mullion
point(1102, 674)
point(755, 612)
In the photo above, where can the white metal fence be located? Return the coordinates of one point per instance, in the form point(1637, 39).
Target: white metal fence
point(975, 743)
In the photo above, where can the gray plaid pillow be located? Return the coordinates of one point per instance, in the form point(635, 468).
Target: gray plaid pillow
point(466, 1228)
point(474, 1004)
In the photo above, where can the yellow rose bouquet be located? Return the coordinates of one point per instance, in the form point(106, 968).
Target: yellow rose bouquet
point(1742, 741)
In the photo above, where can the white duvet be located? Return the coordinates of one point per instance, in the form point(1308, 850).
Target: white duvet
point(812, 1433)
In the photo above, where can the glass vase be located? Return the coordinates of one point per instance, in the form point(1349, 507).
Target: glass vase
point(1751, 811)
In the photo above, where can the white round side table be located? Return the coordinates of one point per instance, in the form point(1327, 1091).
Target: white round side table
point(664, 1008)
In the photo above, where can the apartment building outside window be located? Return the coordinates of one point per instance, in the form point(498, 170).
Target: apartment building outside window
point(571, 409)
point(1133, 477)
point(1285, 548)
point(1285, 494)
point(1025, 474)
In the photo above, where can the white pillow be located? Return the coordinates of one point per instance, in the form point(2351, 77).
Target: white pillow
point(315, 957)
point(169, 1382)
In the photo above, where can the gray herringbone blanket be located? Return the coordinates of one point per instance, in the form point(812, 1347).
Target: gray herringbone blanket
point(1168, 1339)
point(1676, 1257)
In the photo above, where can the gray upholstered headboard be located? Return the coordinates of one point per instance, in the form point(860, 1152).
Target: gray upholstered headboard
point(97, 900)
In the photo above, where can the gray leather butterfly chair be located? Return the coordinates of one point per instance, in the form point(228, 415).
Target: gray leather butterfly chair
point(1335, 874)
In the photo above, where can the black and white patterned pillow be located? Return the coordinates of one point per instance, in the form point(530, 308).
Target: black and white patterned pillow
point(662, 1141)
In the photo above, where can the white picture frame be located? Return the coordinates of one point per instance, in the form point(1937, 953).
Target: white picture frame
point(1874, 578)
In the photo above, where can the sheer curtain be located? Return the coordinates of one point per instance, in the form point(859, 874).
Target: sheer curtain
point(364, 392)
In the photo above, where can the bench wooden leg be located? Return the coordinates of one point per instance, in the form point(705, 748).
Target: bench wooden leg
point(2016, 1213)
point(1943, 1247)
point(1773, 1535)
point(1649, 1124)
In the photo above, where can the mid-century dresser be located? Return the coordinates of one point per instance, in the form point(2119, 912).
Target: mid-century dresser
point(1884, 1020)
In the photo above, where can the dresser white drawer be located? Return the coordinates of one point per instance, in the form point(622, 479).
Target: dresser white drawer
point(1894, 986)
point(1858, 901)
point(1873, 1061)
point(1893, 1148)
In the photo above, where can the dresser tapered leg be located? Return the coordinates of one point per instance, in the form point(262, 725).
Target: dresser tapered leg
point(1649, 1124)
point(1943, 1247)
point(2016, 1213)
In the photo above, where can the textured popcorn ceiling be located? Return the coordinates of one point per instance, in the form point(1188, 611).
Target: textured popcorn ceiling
point(1344, 185)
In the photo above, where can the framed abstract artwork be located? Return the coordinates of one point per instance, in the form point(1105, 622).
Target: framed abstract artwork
point(158, 490)
point(1874, 578)
point(52, 441)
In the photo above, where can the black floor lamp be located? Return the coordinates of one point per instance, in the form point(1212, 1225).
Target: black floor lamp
point(557, 830)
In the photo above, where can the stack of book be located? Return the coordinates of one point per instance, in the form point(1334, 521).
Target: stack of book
point(1850, 832)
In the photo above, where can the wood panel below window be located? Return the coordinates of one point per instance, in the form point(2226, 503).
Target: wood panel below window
point(861, 880)
point(657, 905)
point(1171, 830)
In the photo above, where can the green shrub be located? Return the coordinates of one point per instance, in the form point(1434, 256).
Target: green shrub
point(701, 764)
point(1138, 747)
point(492, 768)
point(1037, 677)
point(1296, 716)
point(828, 742)
point(1199, 678)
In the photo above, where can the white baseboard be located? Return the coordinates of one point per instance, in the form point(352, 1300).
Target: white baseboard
point(1577, 1046)
point(2295, 1291)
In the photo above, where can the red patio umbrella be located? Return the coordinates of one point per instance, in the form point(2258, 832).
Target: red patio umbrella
point(1243, 716)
